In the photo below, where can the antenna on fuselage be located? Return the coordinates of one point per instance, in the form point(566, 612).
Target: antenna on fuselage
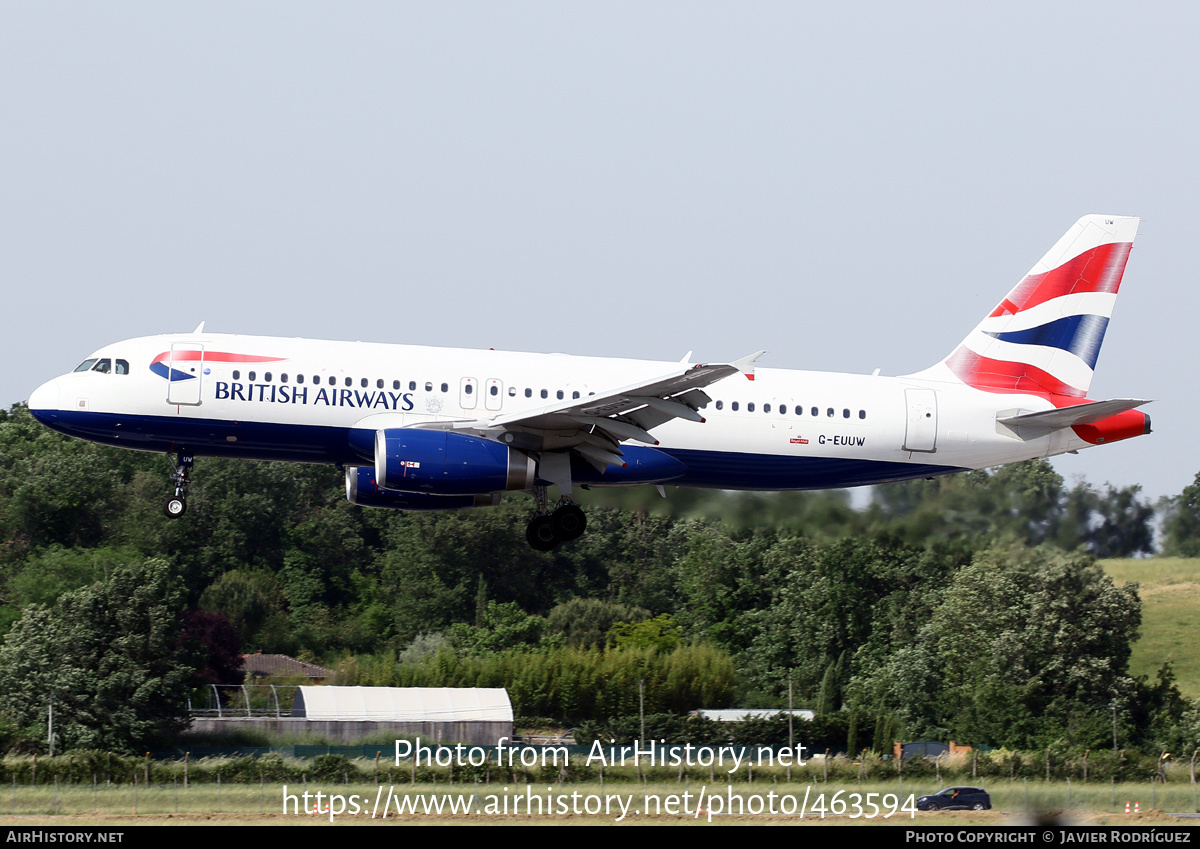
point(199, 328)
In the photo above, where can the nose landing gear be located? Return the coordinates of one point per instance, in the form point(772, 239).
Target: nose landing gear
point(176, 505)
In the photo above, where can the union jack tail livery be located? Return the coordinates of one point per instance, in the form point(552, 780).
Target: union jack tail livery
point(1044, 337)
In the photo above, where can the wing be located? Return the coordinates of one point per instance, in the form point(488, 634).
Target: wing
point(595, 426)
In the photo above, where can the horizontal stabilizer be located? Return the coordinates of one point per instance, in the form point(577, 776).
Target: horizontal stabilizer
point(1080, 414)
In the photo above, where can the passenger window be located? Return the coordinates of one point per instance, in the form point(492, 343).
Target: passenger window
point(363, 383)
point(250, 376)
point(845, 414)
point(283, 378)
point(468, 389)
point(560, 395)
point(720, 405)
point(299, 378)
point(237, 375)
point(122, 367)
point(783, 409)
point(766, 408)
point(379, 383)
point(349, 381)
point(396, 385)
point(574, 395)
point(750, 407)
point(86, 365)
point(733, 406)
point(445, 387)
point(103, 366)
point(267, 377)
point(512, 392)
point(428, 386)
point(412, 384)
point(545, 394)
point(528, 393)
point(829, 412)
point(494, 391)
point(862, 414)
point(332, 380)
point(815, 411)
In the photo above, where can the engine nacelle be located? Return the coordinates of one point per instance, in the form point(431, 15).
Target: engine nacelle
point(442, 463)
point(362, 490)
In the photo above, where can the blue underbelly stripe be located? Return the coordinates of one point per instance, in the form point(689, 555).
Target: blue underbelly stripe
point(332, 445)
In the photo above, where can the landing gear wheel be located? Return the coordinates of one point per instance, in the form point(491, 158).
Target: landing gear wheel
point(569, 522)
point(540, 533)
point(176, 505)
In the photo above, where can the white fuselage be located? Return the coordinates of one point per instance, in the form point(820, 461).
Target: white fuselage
point(299, 399)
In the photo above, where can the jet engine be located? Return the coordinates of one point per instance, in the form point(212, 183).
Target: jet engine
point(442, 463)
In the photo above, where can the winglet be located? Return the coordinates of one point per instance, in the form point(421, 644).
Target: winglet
point(746, 364)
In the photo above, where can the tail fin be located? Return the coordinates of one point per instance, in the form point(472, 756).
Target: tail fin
point(1045, 336)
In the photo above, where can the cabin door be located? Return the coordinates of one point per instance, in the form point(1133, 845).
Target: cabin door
point(920, 432)
point(185, 373)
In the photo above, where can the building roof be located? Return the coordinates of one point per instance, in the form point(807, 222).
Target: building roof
point(280, 665)
point(403, 704)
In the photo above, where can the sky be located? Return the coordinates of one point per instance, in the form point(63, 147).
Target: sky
point(849, 186)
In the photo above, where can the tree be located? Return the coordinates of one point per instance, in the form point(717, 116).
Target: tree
point(661, 633)
point(1026, 647)
point(502, 627)
point(1124, 526)
point(1182, 525)
point(212, 635)
point(108, 656)
point(586, 621)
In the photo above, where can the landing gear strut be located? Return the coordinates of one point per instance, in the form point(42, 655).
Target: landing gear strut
point(177, 503)
point(547, 529)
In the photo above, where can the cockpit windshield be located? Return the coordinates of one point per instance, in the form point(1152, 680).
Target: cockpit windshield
point(104, 365)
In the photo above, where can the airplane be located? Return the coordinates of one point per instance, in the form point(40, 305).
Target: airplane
point(425, 428)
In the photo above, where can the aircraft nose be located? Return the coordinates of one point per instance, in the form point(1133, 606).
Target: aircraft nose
point(43, 403)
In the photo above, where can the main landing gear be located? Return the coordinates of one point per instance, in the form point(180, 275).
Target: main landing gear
point(547, 529)
point(177, 503)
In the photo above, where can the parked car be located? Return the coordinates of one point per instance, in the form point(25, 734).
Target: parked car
point(956, 798)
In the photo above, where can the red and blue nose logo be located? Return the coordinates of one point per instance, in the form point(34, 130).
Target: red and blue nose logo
point(178, 360)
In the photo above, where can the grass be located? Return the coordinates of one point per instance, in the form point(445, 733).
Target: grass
point(1170, 592)
point(249, 802)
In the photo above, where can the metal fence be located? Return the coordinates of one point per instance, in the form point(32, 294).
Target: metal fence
point(228, 701)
